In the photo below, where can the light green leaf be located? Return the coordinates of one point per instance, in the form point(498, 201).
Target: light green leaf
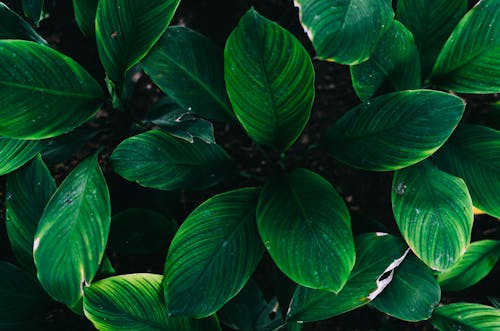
point(270, 81)
point(158, 160)
point(434, 213)
point(12, 26)
point(27, 190)
point(72, 233)
point(395, 130)
point(33, 9)
point(43, 92)
point(394, 65)
point(473, 154)
point(85, 14)
point(344, 31)
point(377, 254)
point(477, 262)
point(126, 30)
point(213, 254)
point(188, 67)
point(302, 210)
point(14, 153)
point(467, 317)
point(469, 61)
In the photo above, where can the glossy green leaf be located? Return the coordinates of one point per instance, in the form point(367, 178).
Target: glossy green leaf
point(126, 30)
point(479, 259)
point(213, 254)
point(135, 302)
point(377, 254)
point(44, 93)
point(188, 67)
point(434, 213)
point(61, 148)
point(85, 14)
point(467, 317)
point(158, 160)
point(395, 130)
point(302, 210)
point(12, 26)
point(72, 233)
point(27, 190)
point(14, 153)
point(412, 294)
point(394, 64)
point(473, 154)
point(344, 31)
point(469, 61)
point(495, 302)
point(270, 81)
point(33, 9)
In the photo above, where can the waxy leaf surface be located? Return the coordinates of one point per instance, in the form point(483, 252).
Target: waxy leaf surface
point(14, 153)
point(13, 26)
point(466, 316)
point(33, 9)
point(85, 13)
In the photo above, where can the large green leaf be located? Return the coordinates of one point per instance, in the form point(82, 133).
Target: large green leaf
point(431, 22)
point(14, 153)
point(469, 61)
point(135, 302)
point(189, 68)
point(270, 81)
point(477, 262)
point(302, 210)
point(43, 92)
point(213, 254)
point(394, 64)
point(12, 26)
point(473, 154)
point(127, 29)
point(377, 255)
point(395, 130)
point(85, 13)
point(33, 9)
point(344, 31)
point(434, 213)
point(412, 294)
point(467, 317)
point(28, 190)
point(61, 148)
point(72, 233)
point(158, 160)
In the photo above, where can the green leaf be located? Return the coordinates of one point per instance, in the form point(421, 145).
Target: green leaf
point(85, 14)
point(270, 81)
point(469, 61)
point(467, 317)
point(188, 67)
point(213, 254)
point(158, 160)
point(136, 302)
point(473, 154)
point(395, 130)
point(61, 148)
point(33, 9)
point(377, 254)
point(44, 93)
point(344, 31)
point(72, 233)
point(412, 294)
point(431, 22)
point(477, 262)
point(434, 213)
point(394, 65)
point(127, 30)
point(14, 153)
point(27, 190)
point(302, 210)
point(12, 26)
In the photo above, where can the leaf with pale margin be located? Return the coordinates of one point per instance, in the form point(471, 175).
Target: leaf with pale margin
point(12, 26)
point(14, 153)
point(466, 316)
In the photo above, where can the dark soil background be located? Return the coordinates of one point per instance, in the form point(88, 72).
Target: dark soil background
point(367, 194)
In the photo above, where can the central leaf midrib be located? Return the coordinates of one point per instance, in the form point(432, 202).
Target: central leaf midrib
point(47, 90)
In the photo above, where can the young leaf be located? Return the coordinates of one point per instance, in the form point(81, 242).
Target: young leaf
point(395, 130)
point(12, 26)
point(85, 14)
point(155, 159)
point(14, 153)
point(469, 61)
point(188, 67)
point(33, 9)
point(302, 210)
point(270, 81)
point(72, 233)
point(136, 302)
point(344, 31)
point(43, 92)
point(213, 254)
point(394, 64)
point(28, 190)
point(479, 259)
point(126, 30)
point(466, 316)
point(434, 213)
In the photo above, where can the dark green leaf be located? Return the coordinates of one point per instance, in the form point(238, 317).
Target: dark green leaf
point(14, 153)
point(33, 9)
point(85, 13)
point(12, 26)
point(63, 147)
point(466, 317)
